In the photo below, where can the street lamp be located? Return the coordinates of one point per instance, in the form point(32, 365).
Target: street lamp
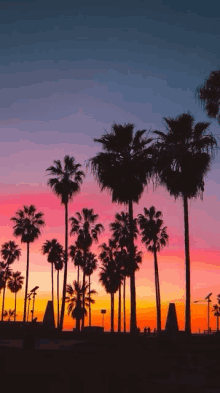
point(29, 300)
point(208, 300)
point(103, 312)
point(33, 291)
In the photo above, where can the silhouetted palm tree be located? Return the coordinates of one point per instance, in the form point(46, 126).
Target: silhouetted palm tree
point(9, 252)
point(11, 313)
point(28, 225)
point(110, 275)
point(216, 310)
point(182, 160)
point(53, 249)
point(75, 300)
point(86, 229)
point(121, 233)
point(76, 255)
point(15, 284)
point(155, 238)
point(209, 95)
point(90, 266)
point(65, 188)
point(123, 168)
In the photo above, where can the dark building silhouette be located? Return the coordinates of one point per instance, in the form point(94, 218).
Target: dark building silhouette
point(49, 320)
point(171, 323)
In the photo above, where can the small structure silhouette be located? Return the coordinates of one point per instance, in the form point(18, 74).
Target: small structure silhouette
point(171, 323)
point(49, 320)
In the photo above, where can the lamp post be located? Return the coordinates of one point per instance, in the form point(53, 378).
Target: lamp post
point(33, 291)
point(208, 310)
point(29, 300)
point(103, 312)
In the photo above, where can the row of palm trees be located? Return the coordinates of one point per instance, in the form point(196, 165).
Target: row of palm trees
point(178, 159)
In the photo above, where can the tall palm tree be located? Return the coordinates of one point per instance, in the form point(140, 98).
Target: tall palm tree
point(58, 267)
point(86, 229)
point(209, 95)
point(15, 284)
point(110, 275)
point(53, 249)
point(182, 159)
point(90, 266)
point(9, 252)
point(155, 238)
point(124, 168)
point(65, 185)
point(75, 300)
point(28, 226)
point(76, 255)
point(121, 233)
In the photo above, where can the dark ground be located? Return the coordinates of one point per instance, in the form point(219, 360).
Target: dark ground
point(114, 363)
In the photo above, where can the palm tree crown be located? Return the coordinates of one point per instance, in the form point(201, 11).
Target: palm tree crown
point(28, 224)
point(10, 252)
point(153, 235)
point(62, 184)
point(209, 95)
point(183, 156)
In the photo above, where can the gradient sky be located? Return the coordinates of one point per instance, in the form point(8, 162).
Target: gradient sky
point(69, 70)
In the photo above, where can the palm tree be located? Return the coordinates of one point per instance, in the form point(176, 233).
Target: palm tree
point(110, 275)
point(86, 229)
point(75, 300)
point(76, 255)
point(15, 284)
point(121, 234)
point(155, 238)
point(65, 188)
point(53, 249)
point(182, 160)
point(90, 266)
point(28, 226)
point(216, 310)
point(209, 95)
point(124, 168)
point(6, 274)
point(11, 313)
point(9, 252)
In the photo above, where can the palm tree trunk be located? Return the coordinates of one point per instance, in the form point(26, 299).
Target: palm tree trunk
point(52, 285)
point(157, 287)
point(217, 323)
point(26, 285)
point(65, 268)
point(133, 322)
point(58, 303)
point(187, 259)
point(15, 307)
point(112, 312)
point(78, 275)
point(3, 299)
point(124, 306)
point(119, 309)
point(83, 300)
point(89, 304)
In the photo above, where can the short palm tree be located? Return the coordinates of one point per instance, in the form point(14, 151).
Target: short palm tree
point(75, 300)
point(65, 184)
point(182, 160)
point(11, 313)
point(15, 284)
point(110, 275)
point(155, 238)
point(121, 233)
point(88, 231)
point(90, 266)
point(9, 252)
point(53, 249)
point(209, 95)
point(124, 168)
point(28, 226)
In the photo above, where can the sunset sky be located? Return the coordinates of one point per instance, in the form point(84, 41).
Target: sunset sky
point(68, 70)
